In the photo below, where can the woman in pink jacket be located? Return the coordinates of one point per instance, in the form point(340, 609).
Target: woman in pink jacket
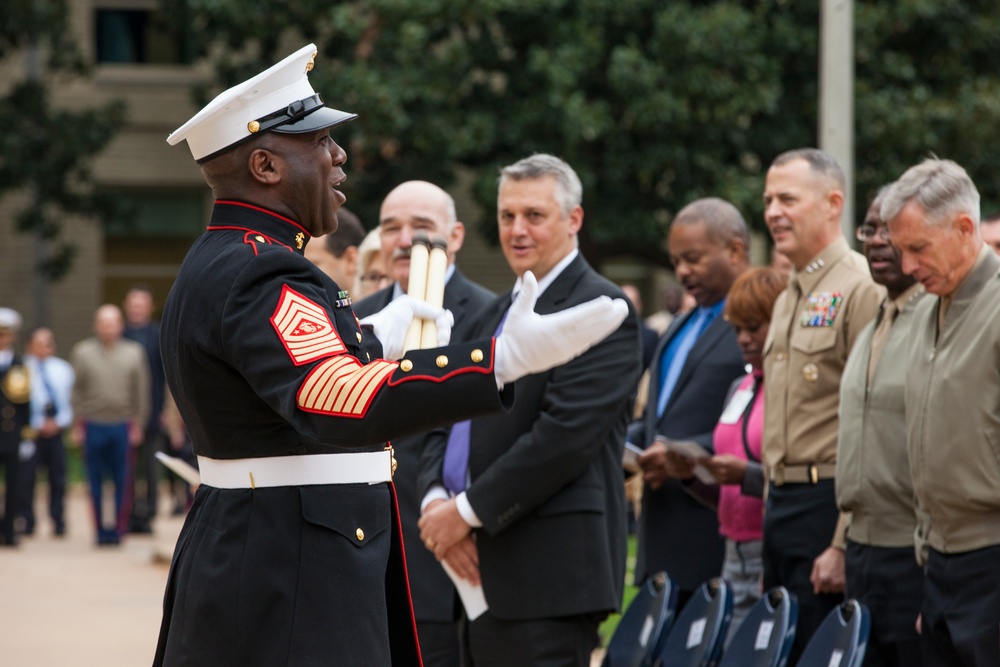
point(737, 440)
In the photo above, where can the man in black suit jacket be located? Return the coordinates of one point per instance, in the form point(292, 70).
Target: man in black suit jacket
point(541, 522)
point(695, 363)
point(411, 207)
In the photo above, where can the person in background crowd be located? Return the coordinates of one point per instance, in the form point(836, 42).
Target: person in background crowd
point(111, 404)
point(336, 254)
point(951, 392)
point(737, 440)
point(873, 470)
point(15, 420)
point(51, 415)
point(647, 335)
point(696, 362)
point(671, 300)
point(373, 271)
point(144, 468)
point(412, 207)
point(781, 262)
point(829, 300)
point(989, 229)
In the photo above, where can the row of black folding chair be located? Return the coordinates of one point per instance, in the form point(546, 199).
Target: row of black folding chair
point(652, 634)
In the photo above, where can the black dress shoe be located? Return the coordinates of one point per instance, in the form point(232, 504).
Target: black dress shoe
point(60, 529)
point(8, 540)
point(140, 528)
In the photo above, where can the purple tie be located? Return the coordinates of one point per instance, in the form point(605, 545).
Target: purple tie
point(456, 455)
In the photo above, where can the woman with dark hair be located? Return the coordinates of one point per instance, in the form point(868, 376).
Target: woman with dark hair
point(737, 440)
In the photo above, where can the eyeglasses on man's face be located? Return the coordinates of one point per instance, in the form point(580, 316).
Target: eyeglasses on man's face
point(868, 232)
point(374, 278)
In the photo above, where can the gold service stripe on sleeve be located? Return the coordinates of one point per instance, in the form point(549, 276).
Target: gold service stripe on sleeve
point(342, 386)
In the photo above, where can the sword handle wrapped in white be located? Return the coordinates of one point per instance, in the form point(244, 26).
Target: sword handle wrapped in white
point(437, 266)
point(417, 290)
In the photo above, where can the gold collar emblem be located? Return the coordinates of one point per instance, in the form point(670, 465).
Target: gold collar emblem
point(300, 238)
point(16, 385)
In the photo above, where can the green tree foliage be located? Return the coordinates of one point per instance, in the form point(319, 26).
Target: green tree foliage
point(43, 149)
point(654, 103)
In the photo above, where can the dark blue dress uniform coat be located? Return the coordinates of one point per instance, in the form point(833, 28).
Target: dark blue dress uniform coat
point(15, 417)
point(265, 358)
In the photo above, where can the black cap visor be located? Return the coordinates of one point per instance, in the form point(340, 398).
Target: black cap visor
point(319, 119)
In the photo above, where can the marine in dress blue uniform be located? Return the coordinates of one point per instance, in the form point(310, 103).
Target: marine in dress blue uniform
point(291, 553)
point(15, 415)
point(266, 359)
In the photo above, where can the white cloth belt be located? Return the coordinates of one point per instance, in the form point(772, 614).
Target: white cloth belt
point(353, 468)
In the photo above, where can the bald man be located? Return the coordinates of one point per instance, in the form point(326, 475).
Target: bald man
point(111, 403)
point(419, 206)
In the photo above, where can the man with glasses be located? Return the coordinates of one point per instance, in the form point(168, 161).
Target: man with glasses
point(873, 470)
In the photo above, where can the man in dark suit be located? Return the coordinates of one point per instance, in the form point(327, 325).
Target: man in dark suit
point(695, 363)
point(541, 520)
point(412, 207)
point(140, 327)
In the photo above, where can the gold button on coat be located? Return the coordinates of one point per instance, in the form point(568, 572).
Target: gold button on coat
point(810, 372)
point(360, 534)
point(358, 333)
point(406, 365)
point(477, 356)
point(441, 361)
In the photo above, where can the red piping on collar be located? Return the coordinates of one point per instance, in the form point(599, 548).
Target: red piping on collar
point(229, 202)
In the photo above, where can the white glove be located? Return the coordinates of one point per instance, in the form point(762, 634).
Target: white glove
point(390, 323)
point(532, 343)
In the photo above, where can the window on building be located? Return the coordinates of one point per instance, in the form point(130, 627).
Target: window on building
point(150, 244)
point(139, 32)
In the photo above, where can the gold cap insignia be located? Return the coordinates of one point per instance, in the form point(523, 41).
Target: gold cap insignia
point(312, 61)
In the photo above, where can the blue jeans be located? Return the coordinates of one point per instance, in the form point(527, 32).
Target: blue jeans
point(106, 451)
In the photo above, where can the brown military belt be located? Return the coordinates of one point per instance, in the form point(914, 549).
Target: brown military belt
point(805, 473)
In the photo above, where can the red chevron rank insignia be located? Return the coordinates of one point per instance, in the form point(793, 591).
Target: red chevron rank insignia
point(304, 328)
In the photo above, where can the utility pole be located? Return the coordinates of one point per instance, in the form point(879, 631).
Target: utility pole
point(39, 281)
point(836, 95)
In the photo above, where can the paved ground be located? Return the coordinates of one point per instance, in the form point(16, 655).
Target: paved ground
point(67, 602)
